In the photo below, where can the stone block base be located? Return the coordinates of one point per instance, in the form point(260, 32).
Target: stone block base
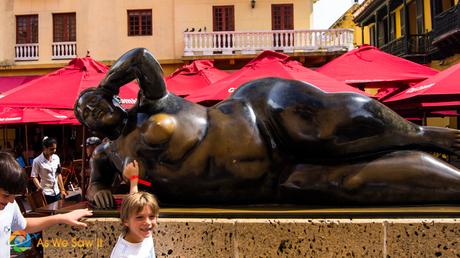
point(268, 238)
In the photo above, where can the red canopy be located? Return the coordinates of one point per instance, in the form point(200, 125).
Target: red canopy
point(367, 64)
point(189, 78)
point(10, 115)
point(59, 89)
point(442, 87)
point(268, 64)
point(10, 82)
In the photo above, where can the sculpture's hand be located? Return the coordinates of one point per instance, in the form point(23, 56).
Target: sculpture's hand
point(104, 199)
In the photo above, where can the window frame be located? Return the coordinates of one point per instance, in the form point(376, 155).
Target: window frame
point(286, 15)
point(140, 14)
point(69, 30)
point(228, 18)
point(31, 35)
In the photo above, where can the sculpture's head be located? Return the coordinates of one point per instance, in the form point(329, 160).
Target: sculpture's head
point(100, 111)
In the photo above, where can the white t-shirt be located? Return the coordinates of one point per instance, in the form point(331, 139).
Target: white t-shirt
point(47, 169)
point(125, 249)
point(11, 220)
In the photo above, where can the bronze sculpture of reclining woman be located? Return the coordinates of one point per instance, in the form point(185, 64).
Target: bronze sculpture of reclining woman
point(272, 141)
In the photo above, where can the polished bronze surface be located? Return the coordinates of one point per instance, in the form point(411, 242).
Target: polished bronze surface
point(272, 141)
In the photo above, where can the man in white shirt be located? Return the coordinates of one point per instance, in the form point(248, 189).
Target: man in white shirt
point(13, 181)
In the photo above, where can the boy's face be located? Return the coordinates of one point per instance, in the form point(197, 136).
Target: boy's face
point(141, 224)
point(5, 198)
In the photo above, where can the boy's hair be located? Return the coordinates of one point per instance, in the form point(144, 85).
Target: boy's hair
point(13, 179)
point(135, 203)
point(48, 141)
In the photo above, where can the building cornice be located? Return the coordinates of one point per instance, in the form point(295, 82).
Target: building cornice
point(365, 9)
point(350, 11)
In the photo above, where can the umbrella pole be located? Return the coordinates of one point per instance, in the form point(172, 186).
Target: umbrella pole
point(424, 122)
point(63, 148)
point(83, 163)
point(26, 153)
point(4, 136)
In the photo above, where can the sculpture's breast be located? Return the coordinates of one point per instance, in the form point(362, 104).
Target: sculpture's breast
point(236, 144)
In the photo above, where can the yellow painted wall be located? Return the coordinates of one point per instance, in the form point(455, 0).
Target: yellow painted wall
point(427, 10)
point(450, 122)
point(357, 34)
point(398, 21)
point(102, 24)
point(367, 37)
point(7, 28)
point(346, 22)
point(398, 10)
point(246, 18)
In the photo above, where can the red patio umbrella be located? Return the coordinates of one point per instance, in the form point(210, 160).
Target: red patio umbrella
point(189, 78)
point(268, 64)
point(9, 115)
point(10, 82)
point(437, 90)
point(372, 68)
point(59, 89)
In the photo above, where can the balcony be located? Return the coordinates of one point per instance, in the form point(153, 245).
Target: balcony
point(446, 25)
point(64, 50)
point(415, 47)
point(250, 42)
point(26, 52)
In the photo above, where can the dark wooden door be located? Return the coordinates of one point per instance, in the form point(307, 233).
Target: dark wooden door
point(282, 19)
point(224, 20)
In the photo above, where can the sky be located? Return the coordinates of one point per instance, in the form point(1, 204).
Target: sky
point(326, 12)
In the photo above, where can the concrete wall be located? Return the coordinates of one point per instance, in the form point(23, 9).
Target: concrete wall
point(270, 238)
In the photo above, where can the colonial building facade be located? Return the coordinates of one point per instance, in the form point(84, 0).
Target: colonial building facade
point(425, 31)
point(38, 36)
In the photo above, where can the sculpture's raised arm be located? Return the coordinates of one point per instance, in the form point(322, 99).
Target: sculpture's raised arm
point(138, 64)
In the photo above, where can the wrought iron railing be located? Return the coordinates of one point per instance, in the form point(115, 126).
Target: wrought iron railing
point(446, 22)
point(249, 42)
point(416, 44)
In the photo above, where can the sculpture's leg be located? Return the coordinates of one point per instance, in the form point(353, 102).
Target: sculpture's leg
point(399, 177)
point(319, 126)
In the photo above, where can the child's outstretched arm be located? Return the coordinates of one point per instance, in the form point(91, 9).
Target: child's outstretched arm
point(131, 172)
point(70, 218)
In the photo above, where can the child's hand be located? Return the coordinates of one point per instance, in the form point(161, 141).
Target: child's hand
point(131, 172)
point(131, 169)
point(72, 218)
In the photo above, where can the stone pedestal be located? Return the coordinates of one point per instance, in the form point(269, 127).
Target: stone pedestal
point(268, 238)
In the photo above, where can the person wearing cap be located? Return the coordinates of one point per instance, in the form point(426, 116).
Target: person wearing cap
point(91, 144)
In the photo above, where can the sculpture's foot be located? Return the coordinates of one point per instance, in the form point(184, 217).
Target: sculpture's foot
point(446, 139)
point(401, 177)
